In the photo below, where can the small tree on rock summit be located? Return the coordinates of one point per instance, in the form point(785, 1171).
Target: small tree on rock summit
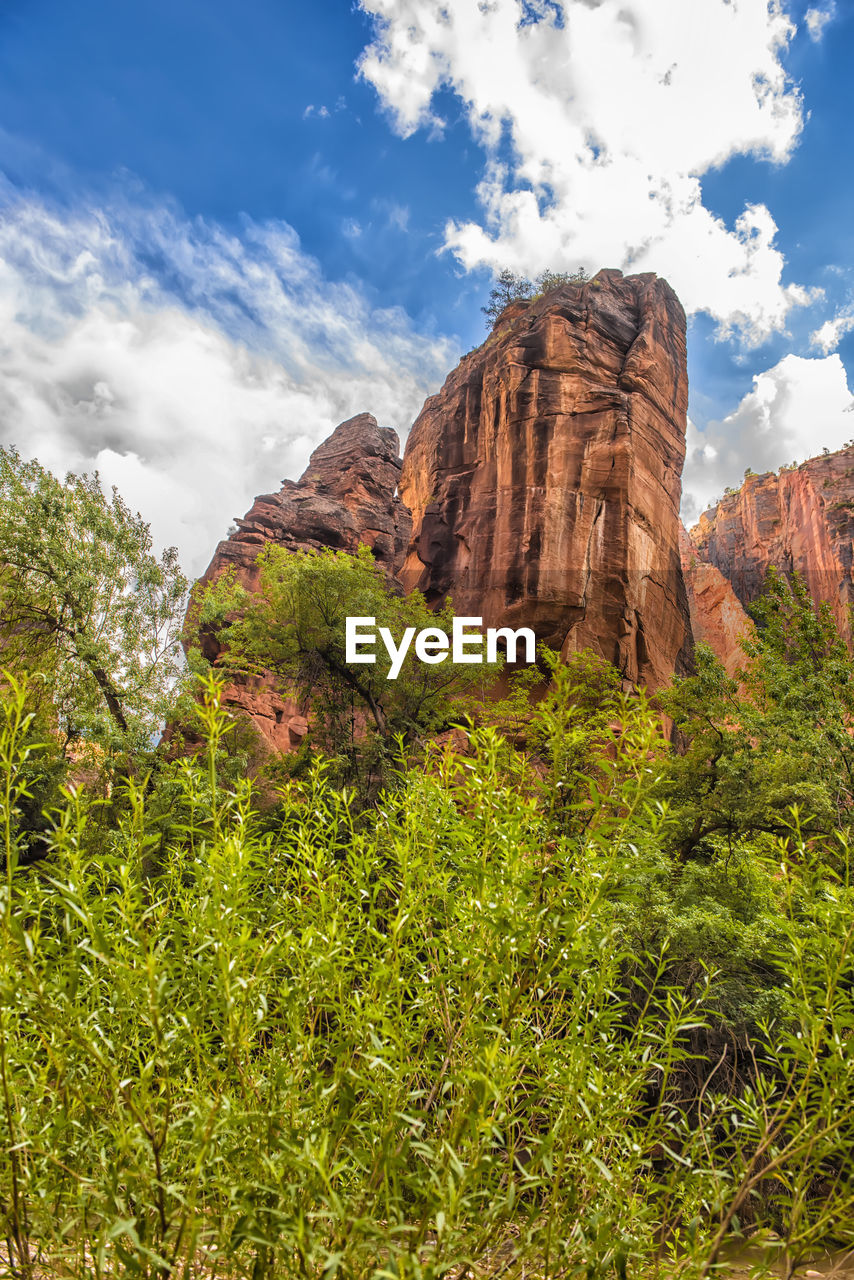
point(510, 287)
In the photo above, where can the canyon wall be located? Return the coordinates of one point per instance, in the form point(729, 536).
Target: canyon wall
point(718, 618)
point(800, 519)
point(544, 479)
point(540, 487)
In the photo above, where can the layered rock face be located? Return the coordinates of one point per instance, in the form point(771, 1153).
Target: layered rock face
point(717, 616)
point(800, 519)
point(346, 495)
point(543, 483)
point(544, 479)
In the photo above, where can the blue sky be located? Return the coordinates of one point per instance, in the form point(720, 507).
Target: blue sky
point(224, 228)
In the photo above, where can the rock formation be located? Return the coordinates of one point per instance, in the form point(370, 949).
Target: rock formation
point(543, 483)
point(544, 479)
point(800, 519)
point(717, 616)
point(541, 488)
point(346, 495)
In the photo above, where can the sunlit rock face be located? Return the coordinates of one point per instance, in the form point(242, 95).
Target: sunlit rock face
point(539, 488)
point(346, 496)
point(800, 519)
point(544, 479)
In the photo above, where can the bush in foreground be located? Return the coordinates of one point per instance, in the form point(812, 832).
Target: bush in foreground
point(430, 1039)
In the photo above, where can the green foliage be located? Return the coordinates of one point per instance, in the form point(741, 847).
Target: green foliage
point(30, 754)
point(506, 704)
point(546, 281)
point(777, 735)
point(510, 287)
point(86, 608)
point(294, 627)
point(431, 1038)
point(558, 999)
point(572, 728)
point(800, 677)
point(560, 711)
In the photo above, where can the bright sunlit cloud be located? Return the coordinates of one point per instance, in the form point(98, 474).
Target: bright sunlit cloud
point(598, 120)
point(793, 411)
point(828, 336)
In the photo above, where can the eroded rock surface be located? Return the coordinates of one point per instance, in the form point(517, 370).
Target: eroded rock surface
point(717, 616)
point(798, 519)
point(346, 495)
point(544, 479)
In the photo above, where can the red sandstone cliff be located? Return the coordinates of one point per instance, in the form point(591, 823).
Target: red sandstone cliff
point(346, 495)
point(544, 482)
point(800, 519)
point(544, 479)
point(717, 616)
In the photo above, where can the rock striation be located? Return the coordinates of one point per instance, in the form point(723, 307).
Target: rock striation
point(544, 479)
point(347, 495)
point(800, 519)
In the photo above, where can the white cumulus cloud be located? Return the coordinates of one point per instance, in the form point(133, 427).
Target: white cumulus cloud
point(192, 367)
point(793, 411)
point(599, 118)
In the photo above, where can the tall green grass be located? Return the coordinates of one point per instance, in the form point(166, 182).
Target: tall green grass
point(415, 1042)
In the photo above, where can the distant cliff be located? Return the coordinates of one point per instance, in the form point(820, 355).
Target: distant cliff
point(544, 479)
point(801, 519)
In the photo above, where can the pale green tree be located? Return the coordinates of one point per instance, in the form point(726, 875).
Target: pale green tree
point(87, 611)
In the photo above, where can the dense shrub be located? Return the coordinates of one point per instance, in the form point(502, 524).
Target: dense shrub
point(461, 1031)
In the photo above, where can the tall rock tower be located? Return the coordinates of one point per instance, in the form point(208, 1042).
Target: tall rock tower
point(543, 483)
point(544, 479)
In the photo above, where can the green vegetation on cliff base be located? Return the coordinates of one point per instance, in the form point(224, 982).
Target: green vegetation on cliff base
point(292, 630)
point(477, 1028)
point(550, 994)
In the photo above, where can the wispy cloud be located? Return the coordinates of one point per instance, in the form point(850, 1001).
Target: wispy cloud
point(191, 366)
point(817, 20)
point(598, 121)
